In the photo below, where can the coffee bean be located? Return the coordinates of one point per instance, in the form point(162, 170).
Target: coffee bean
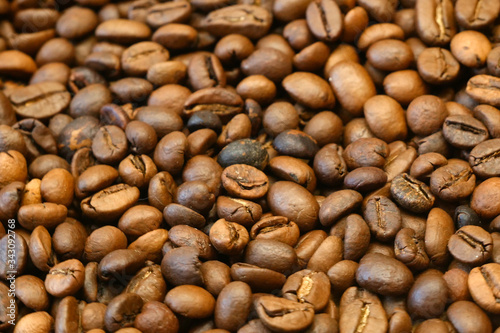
point(362, 310)
point(156, 316)
point(453, 181)
point(441, 28)
point(205, 72)
point(279, 313)
point(482, 284)
point(51, 97)
point(161, 14)
point(430, 285)
point(410, 249)
point(324, 19)
point(122, 311)
point(244, 151)
point(65, 278)
point(471, 244)
point(412, 194)
point(192, 301)
point(484, 89)
point(484, 198)
point(483, 159)
point(383, 217)
point(247, 20)
point(309, 90)
point(233, 306)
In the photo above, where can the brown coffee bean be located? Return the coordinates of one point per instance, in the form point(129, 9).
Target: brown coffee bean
point(471, 245)
point(30, 290)
point(362, 310)
point(316, 293)
point(437, 65)
point(464, 132)
point(276, 228)
point(470, 48)
point(484, 198)
point(233, 306)
point(296, 143)
point(284, 315)
point(271, 254)
point(76, 22)
point(410, 249)
point(247, 20)
point(220, 101)
point(388, 126)
point(123, 31)
point(411, 193)
point(383, 217)
point(19, 259)
point(40, 319)
point(368, 275)
point(429, 288)
point(122, 311)
point(102, 241)
point(426, 164)
point(435, 22)
point(245, 181)
point(205, 72)
point(438, 231)
point(309, 90)
point(17, 64)
point(161, 14)
point(484, 89)
point(41, 252)
point(453, 181)
point(269, 62)
point(329, 165)
point(69, 239)
point(191, 301)
point(352, 85)
point(366, 152)
point(46, 214)
point(65, 278)
point(156, 316)
point(98, 205)
point(294, 202)
point(324, 19)
point(181, 266)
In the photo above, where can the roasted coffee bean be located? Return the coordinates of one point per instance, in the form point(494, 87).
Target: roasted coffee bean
point(161, 14)
point(277, 228)
point(65, 278)
point(471, 245)
point(50, 97)
point(284, 315)
point(484, 89)
point(329, 165)
point(453, 181)
point(309, 90)
point(435, 22)
point(233, 306)
point(156, 316)
point(383, 217)
point(191, 301)
point(271, 254)
point(245, 181)
point(247, 20)
point(362, 311)
point(220, 101)
point(412, 194)
point(122, 311)
point(437, 65)
point(316, 293)
point(410, 249)
point(181, 266)
point(366, 152)
point(428, 295)
point(110, 203)
point(368, 275)
point(470, 48)
point(484, 198)
point(205, 72)
point(245, 151)
point(294, 202)
point(324, 19)
point(484, 159)
point(18, 260)
point(482, 285)
point(464, 132)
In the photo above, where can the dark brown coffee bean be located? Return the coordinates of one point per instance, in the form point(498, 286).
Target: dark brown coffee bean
point(294, 202)
point(454, 181)
point(426, 164)
point(296, 143)
point(30, 290)
point(137, 59)
point(94, 179)
point(244, 151)
point(271, 254)
point(176, 214)
point(241, 211)
point(245, 181)
point(182, 266)
point(293, 169)
point(247, 20)
point(122, 311)
point(338, 204)
point(412, 194)
point(156, 316)
point(438, 230)
point(410, 249)
point(329, 165)
point(258, 278)
point(484, 159)
point(471, 245)
point(276, 228)
point(11, 198)
point(13, 262)
point(69, 239)
point(233, 306)
point(205, 72)
point(464, 132)
point(284, 315)
point(220, 101)
point(41, 251)
point(369, 275)
point(362, 311)
point(366, 152)
point(429, 288)
point(383, 217)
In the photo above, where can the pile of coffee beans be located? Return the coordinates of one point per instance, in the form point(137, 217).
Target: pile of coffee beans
point(250, 166)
